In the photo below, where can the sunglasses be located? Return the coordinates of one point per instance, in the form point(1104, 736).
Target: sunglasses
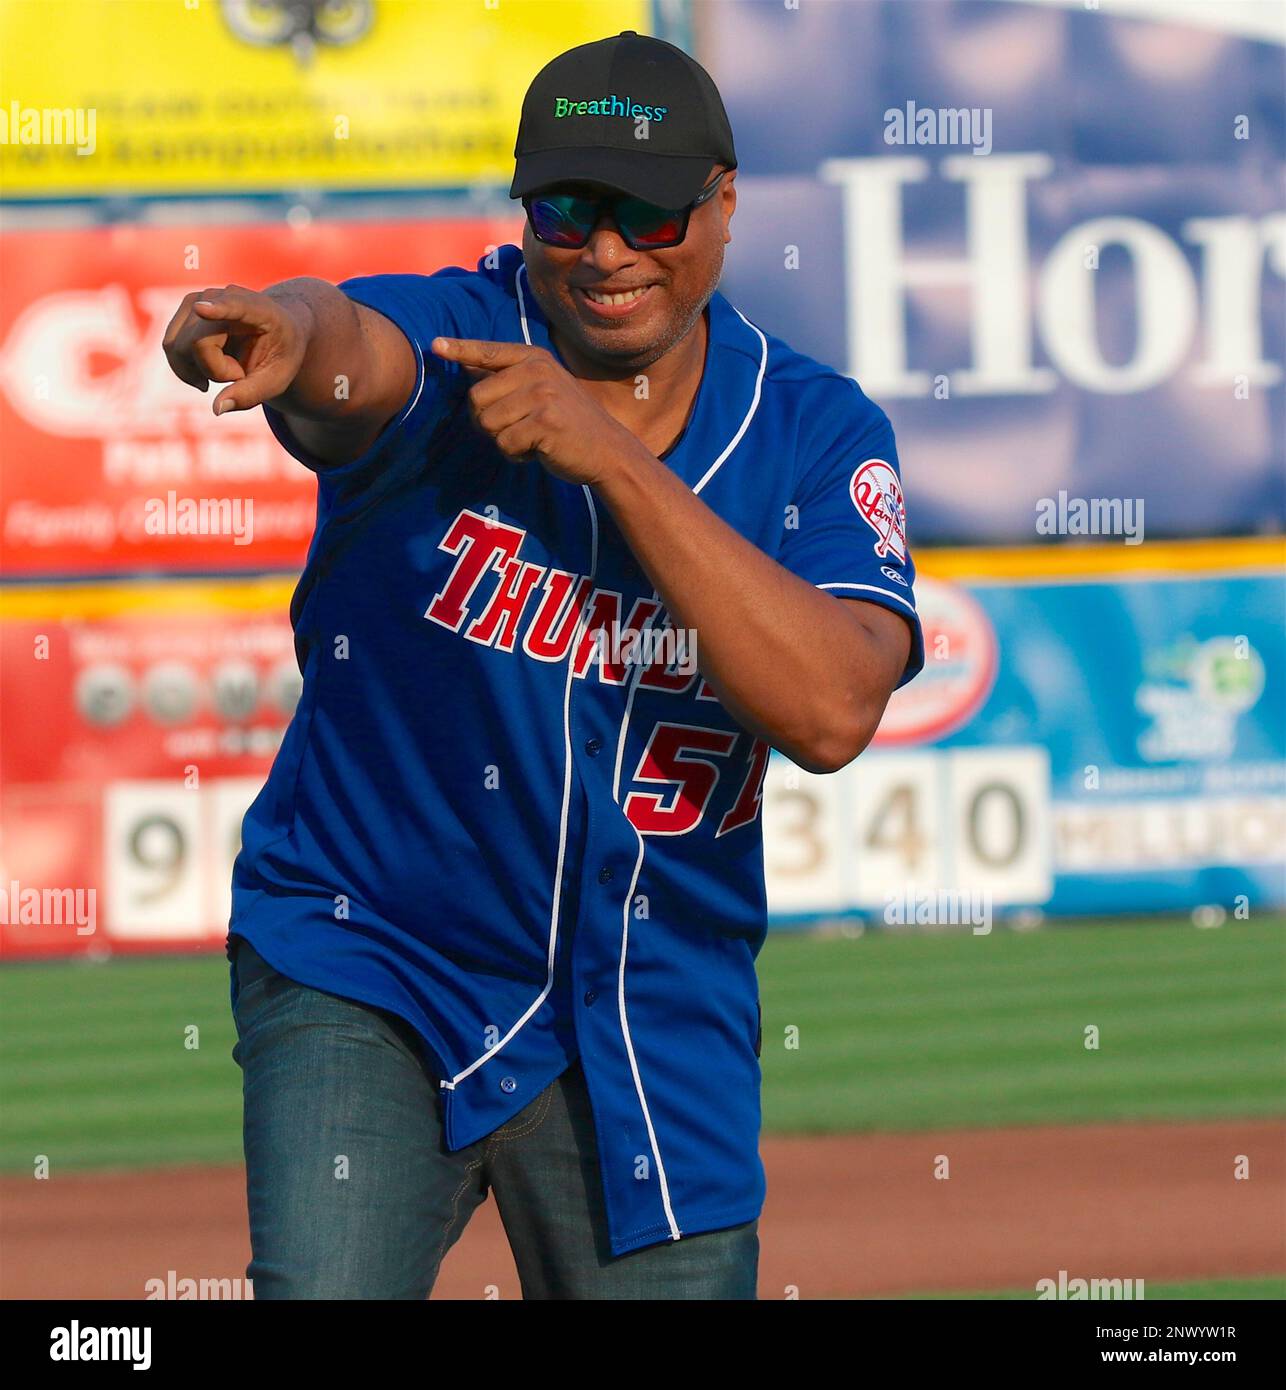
point(567, 220)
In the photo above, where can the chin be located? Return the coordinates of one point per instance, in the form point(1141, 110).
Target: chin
point(624, 341)
point(621, 348)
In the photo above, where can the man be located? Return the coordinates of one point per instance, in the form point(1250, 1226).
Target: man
point(498, 905)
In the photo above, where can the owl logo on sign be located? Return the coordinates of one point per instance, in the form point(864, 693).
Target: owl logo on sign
point(298, 24)
point(877, 495)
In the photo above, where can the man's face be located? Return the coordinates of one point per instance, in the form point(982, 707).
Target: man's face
point(676, 284)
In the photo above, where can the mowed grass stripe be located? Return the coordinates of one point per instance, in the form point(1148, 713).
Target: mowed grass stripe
point(851, 1000)
point(976, 1032)
point(126, 986)
point(221, 1144)
point(843, 1106)
point(1085, 1071)
point(897, 1031)
point(944, 1103)
point(162, 1034)
point(89, 1076)
point(104, 1111)
point(1007, 959)
point(55, 1026)
point(1063, 948)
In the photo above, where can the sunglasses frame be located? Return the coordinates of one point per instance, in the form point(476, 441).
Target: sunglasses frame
point(609, 202)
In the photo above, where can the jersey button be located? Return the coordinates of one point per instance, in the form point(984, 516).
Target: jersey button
point(508, 1085)
point(590, 996)
point(605, 875)
point(593, 746)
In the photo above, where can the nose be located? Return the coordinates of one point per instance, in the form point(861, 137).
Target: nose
point(607, 250)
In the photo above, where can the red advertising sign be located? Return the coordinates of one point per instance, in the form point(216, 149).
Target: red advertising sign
point(139, 723)
point(111, 464)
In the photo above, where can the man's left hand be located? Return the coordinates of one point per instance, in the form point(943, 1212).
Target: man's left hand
point(530, 405)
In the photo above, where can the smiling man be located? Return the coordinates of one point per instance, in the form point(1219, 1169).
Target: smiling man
point(497, 910)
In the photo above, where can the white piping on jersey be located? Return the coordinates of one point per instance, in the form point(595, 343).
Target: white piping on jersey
point(754, 400)
point(675, 1233)
point(663, 1181)
point(581, 624)
point(875, 589)
point(625, 722)
point(423, 377)
point(754, 403)
point(522, 303)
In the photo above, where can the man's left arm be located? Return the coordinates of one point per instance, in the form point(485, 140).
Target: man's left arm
point(807, 671)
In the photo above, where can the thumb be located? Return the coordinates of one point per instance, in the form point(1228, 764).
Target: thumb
point(227, 400)
point(245, 394)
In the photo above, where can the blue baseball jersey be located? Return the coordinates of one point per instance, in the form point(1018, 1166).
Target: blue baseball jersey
point(505, 812)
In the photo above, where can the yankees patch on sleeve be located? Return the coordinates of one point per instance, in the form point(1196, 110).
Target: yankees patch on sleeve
point(846, 530)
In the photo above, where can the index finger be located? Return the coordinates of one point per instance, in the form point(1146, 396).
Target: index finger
point(234, 306)
point(482, 355)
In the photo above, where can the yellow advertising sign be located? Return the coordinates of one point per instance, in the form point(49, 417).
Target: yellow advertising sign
point(118, 97)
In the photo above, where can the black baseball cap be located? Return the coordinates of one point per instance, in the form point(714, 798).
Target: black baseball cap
point(581, 122)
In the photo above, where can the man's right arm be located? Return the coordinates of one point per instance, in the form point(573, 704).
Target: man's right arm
point(337, 371)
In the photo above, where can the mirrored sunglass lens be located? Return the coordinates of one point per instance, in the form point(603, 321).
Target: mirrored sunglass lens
point(562, 219)
point(647, 223)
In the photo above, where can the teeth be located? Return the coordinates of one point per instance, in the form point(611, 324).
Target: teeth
point(614, 298)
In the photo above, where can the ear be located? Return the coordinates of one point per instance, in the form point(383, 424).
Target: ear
point(728, 202)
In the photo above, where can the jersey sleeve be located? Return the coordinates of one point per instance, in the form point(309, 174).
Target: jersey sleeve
point(846, 529)
point(422, 306)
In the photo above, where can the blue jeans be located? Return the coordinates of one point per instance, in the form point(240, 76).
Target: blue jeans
point(353, 1193)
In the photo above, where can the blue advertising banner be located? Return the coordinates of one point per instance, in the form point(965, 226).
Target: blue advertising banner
point(1087, 745)
point(1049, 238)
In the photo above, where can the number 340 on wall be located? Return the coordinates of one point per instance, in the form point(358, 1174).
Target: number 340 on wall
point(895, 823)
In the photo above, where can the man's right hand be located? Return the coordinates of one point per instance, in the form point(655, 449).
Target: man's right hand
point(241, 336)
point(336, 371)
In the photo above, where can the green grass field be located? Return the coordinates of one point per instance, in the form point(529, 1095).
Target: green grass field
point(894, 1032)
point(962, 1031)
point(1274, 1289)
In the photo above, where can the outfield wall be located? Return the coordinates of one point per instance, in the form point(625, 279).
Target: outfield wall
point(1095, 731)
point(1108, 739)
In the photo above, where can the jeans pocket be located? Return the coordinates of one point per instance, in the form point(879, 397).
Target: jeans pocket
point(257, 985)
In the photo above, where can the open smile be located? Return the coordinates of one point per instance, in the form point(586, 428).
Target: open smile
point(616, 305)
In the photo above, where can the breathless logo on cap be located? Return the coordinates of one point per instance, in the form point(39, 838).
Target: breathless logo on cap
point(608, 106)
point(633, 113)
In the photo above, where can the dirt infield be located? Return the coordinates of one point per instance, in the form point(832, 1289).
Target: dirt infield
point(851, 1216)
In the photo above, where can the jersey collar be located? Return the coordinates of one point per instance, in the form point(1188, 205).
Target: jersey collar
point(727, 399)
